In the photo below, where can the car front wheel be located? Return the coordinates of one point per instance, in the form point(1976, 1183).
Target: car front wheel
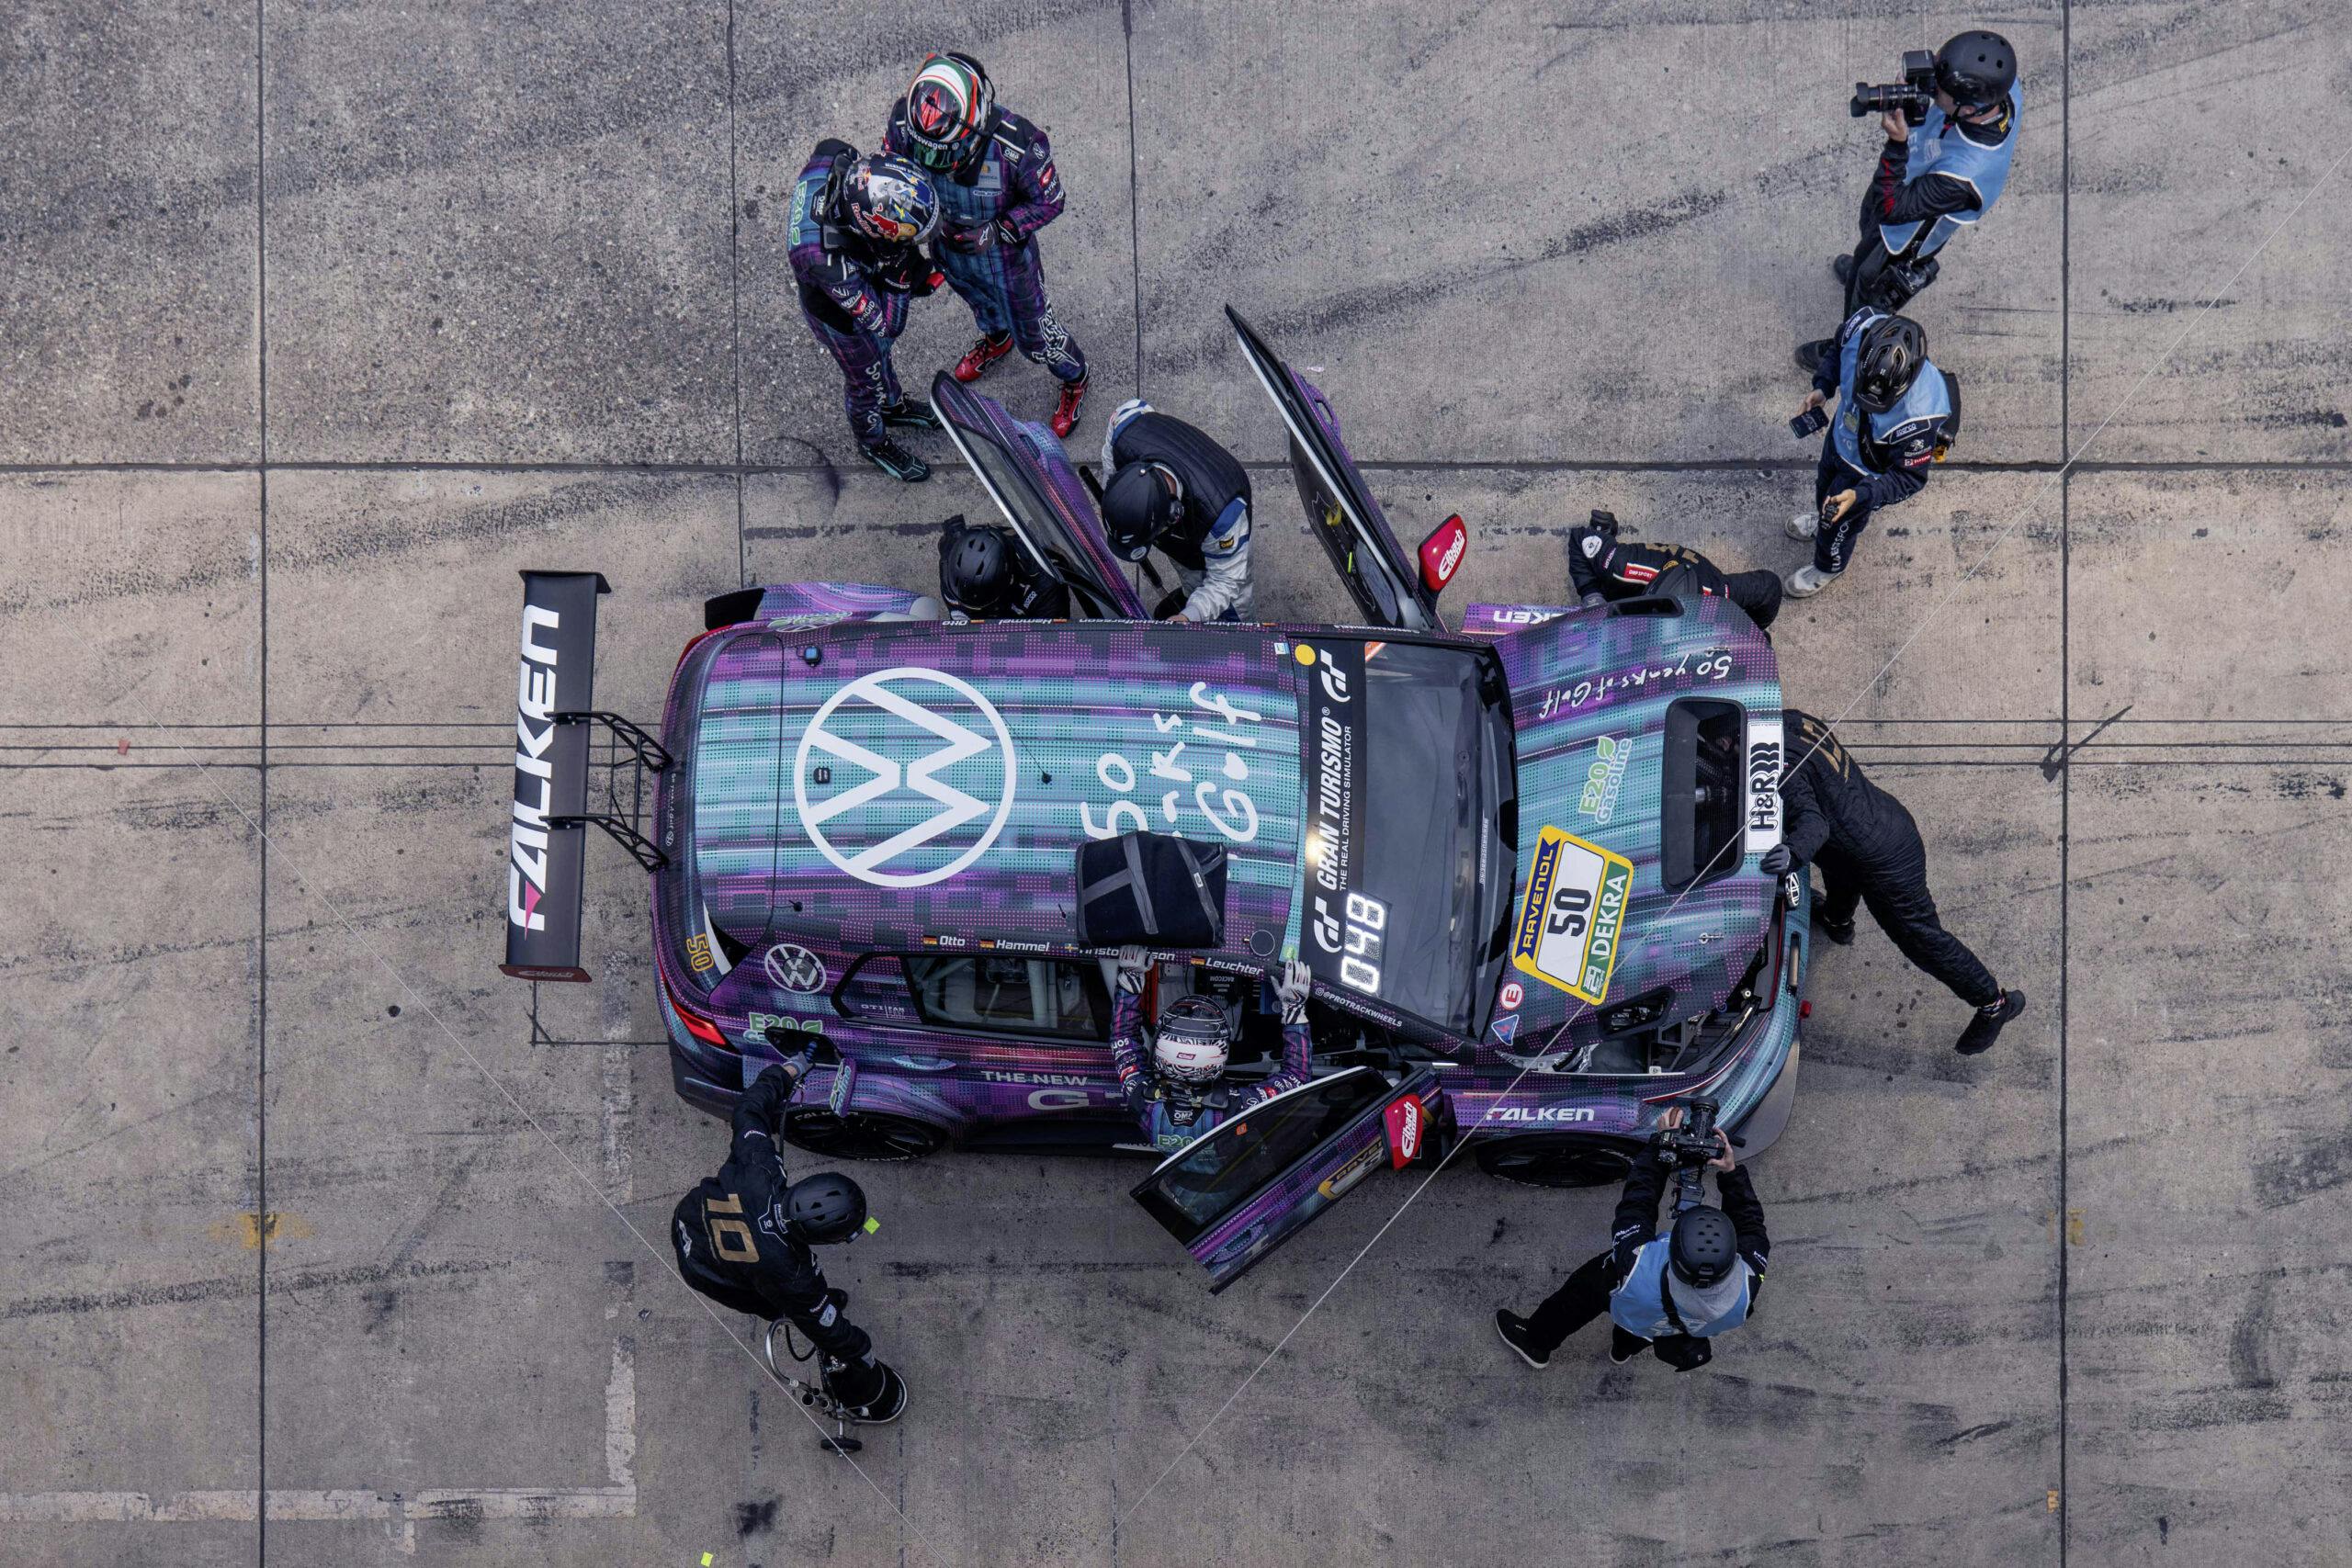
point(1553, 1160)
point(861, 1135)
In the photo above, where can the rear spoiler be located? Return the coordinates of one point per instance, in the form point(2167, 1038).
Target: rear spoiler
point(547, 839)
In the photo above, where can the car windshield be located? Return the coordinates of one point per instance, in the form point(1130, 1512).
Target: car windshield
point(1398, 757)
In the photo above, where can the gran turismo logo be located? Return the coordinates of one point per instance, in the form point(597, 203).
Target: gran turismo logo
point(895, 725)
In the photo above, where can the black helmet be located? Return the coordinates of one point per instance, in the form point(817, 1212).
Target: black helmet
point(976, 568)
point(1977, 69)
point(1137, 507)
point(1704, 1247)
point(826, 1207)
point(1893, 349)
point(889, 202)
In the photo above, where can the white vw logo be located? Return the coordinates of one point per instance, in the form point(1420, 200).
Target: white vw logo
point(794, 968)
point(890, 782)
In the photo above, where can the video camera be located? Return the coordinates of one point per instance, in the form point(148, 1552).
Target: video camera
point(1690, 1146)
point(1913, 95)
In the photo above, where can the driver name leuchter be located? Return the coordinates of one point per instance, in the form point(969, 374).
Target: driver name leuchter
point(534, 702)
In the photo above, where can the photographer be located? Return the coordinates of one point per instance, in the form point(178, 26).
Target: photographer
point(1672, 1293)
point(1604, 567)
point(1952, 133)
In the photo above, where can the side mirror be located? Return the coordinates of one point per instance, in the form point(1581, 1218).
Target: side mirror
point(1441, 552)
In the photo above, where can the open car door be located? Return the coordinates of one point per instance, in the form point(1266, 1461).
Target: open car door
point(1389, 586)
point(1242, 1190)
point(1031, 479)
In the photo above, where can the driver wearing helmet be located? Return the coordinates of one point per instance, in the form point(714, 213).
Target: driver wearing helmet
point(743, 1238)
point(1897, 414)
point(994, 173)
point(1180, 1094)
point(1672, 1293)
point(984, 575)
point(855, 238)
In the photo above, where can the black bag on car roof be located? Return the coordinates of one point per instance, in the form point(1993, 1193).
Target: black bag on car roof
point(1152, 890)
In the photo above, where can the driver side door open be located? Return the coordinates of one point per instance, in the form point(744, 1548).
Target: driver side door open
point(1243, 1189)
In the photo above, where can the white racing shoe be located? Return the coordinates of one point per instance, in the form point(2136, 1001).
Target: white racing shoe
point(1806, 581)
point(1805, 526)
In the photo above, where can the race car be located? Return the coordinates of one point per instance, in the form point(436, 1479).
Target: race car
point(1521, 857)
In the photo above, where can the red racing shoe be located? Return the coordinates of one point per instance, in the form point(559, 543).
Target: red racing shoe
point(1064, 418)
point(985, 351)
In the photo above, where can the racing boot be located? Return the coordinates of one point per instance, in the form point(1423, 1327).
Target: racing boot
point(1985, 1027)
point(1809, 356)
point(1513, 1329)
point(1806, 581)
point(1840, 931)
point(1803, 525)
point(1064, 418)
point(911, 416)
point(895, 460)
point(1842, 264)
point(986, 350)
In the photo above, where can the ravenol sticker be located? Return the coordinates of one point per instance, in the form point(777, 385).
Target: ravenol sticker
point(1573, 915)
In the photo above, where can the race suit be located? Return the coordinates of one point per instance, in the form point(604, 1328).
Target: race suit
point(734, 1246)
point(1947, 175)
point(1869, 852)
point(1599, 562)
point(1630, 1280)
point(1209, 540)
point(991, 210)
point(1034, 597)
point(852, 295)
point(1881, 458)
point(1172, 1115)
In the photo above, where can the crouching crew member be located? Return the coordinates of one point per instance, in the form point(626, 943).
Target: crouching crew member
point(994, 173)
point(1603, 568)
point(1869, 852)
point(1180, 1094)
point(1896, 414)
point(984, 575)
point(1169, 483)
point(1672, 1293)
point(743, 1238)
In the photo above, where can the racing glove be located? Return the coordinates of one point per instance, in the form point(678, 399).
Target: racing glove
point(1297, 980)
point(1132, 964)
point(1007, 234)
point(1778, 860)
point(969, 241)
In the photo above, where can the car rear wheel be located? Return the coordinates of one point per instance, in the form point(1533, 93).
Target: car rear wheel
point(861, 1135)
point(1554, 1161)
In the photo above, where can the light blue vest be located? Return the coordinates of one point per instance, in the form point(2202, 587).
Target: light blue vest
point(1987, 169)
point(1929, 400)
point(1635, 1307)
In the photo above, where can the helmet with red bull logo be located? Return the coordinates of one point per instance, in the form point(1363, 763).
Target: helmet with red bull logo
point(889, 202)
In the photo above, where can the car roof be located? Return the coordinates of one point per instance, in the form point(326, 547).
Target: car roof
point(867, 786)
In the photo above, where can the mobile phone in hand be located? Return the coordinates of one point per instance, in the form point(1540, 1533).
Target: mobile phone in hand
point(1809, 422)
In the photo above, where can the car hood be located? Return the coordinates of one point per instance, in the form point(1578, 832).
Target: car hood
point(880, 787)
point(1589, 693)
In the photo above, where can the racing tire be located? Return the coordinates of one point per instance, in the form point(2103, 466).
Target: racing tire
point(861, 1135)
point(1554, 1160)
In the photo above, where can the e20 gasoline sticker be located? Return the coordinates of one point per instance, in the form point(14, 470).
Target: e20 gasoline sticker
point(1575, 914)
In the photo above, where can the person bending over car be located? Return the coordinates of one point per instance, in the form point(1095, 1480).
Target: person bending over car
point(984, 576)
point(1603, 568)
point(1169, 483)
point(743, 1236)
point(1180, 1094)
point(1869, 852)
point(1672, 1293)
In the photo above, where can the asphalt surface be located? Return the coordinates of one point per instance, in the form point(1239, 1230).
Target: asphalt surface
point(322, 321)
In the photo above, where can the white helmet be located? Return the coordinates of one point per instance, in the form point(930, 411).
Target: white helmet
point(1193, 1043)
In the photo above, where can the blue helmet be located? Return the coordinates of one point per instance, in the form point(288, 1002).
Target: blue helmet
point(889, 202)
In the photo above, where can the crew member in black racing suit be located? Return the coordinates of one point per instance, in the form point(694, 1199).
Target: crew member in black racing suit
point(1869, 852)
point(743, 1237)
point(984, 575)
point(1603, 568)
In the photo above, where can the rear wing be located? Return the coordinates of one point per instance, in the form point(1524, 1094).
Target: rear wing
point(555, 704)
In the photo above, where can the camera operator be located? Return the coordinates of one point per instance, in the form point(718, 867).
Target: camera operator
point(1670, 1293)
point(1604, 567)
point(1951, 132)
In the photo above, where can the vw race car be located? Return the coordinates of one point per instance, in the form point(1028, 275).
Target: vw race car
point(1521, 857)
